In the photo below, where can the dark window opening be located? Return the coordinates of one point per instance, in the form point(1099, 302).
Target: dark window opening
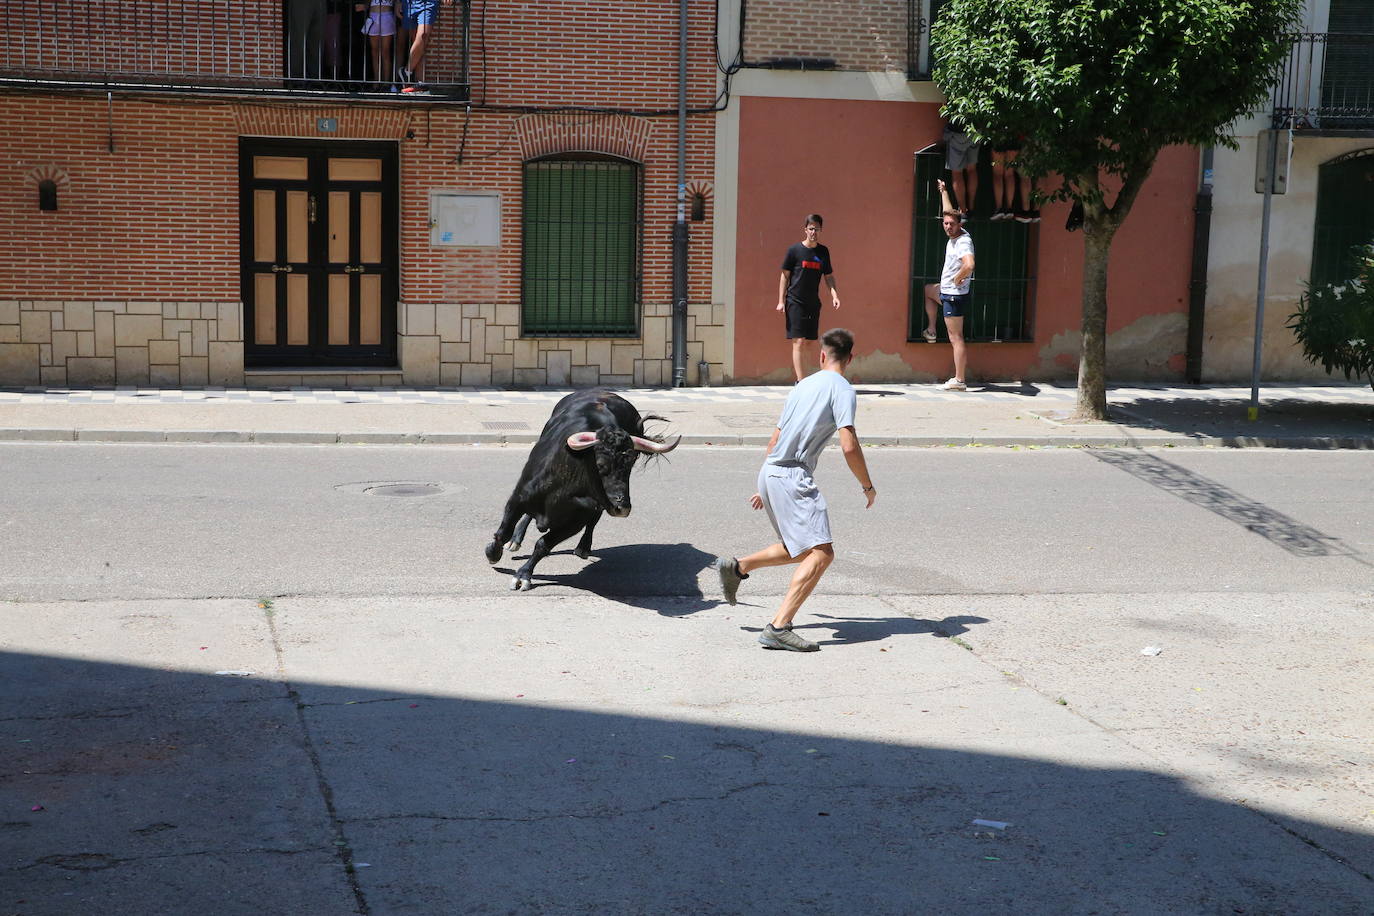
point(1345, 216)
point(47, 194)
point(1003, 288)
point(582, 226)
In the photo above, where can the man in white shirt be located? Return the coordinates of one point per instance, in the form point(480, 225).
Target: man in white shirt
point(951, 294)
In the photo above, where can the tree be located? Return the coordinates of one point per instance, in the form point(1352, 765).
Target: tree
point(1093, 90)
point(1335, 324)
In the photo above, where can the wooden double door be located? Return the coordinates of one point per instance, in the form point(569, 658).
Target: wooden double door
point(319, 250)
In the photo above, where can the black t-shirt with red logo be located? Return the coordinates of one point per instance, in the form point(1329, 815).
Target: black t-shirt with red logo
point(806, 266)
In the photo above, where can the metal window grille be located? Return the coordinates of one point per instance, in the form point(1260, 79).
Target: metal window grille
point(1003, 287)
point(1345, 216)
point(583, 223)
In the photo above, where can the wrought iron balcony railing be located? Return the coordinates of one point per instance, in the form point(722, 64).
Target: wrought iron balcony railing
point(275, 47)
point(1327, 83)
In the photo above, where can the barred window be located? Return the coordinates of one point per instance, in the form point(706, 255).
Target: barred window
point(582, 233)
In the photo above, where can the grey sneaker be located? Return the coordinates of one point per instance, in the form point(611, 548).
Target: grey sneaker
point(772, 638)
point(730, 577)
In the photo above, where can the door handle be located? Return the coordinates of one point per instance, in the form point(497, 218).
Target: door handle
point(281, 269)
point(312, 208)
point(354, 269)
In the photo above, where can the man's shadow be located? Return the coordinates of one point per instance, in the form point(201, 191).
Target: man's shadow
point(661, 577)
point(852, 630)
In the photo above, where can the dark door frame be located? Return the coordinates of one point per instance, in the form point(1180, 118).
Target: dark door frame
point(319, 353)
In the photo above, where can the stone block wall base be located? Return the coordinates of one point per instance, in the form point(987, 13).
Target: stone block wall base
point(103, 344)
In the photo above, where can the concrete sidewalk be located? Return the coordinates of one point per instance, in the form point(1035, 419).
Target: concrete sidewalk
point(1003, 414)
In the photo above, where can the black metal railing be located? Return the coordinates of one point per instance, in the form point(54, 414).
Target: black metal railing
point(1327, 82)
point(257, 46)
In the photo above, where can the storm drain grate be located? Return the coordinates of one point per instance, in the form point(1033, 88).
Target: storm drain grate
point(405, 489)
point(505, 424)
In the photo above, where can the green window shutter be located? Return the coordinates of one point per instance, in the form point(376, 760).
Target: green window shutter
point(1348, 68)
point(581, 248)
point(1345, 216)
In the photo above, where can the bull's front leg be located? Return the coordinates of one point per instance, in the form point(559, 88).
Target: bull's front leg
point(503, 530)
point(556, 535)
point(518, 537)
point(583, 549)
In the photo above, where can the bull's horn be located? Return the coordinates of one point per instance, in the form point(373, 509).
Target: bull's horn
point(649, 445)
point(579, 441)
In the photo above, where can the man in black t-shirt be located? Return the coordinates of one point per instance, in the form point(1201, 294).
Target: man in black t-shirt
point(799, 291)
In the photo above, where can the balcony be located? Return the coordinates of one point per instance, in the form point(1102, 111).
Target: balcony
point(220, 46)
point(1327, 83)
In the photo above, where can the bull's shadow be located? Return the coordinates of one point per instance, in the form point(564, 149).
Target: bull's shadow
point(661, 577)
point(851, 630)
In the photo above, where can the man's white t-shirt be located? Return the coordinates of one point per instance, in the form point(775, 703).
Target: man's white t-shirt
point(955, 249)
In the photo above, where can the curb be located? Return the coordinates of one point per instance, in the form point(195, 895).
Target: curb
point(309, 437)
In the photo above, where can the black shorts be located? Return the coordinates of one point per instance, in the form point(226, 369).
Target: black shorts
point(803, 320)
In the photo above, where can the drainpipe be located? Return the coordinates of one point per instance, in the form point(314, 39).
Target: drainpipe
point(1197, 282)
point(680, 227)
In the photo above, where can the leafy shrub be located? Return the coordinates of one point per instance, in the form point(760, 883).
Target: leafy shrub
point(1335, 324)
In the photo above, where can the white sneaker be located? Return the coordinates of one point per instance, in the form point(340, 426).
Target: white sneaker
point(929, 335)
point(954, 385)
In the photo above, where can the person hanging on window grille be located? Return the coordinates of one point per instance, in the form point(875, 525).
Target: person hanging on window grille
point(799, 290)
point(822, 404)
point(951, 294)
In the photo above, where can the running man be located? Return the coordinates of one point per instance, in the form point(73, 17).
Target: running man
point(816, 408)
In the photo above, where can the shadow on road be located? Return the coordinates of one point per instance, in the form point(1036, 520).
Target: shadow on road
point(124, 785)
point(640, 575)
point(1303, 423)
point(1279, 529)
point(850, 630)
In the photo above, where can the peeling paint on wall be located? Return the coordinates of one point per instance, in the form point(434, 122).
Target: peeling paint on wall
point(1153, 346)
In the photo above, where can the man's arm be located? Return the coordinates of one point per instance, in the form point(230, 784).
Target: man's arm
point(782, 289)
point(945, 202)
point(834, 290)
point(965, 269)
point(854, 457)
point(756, 500)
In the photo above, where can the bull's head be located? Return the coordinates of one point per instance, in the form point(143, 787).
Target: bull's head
point(615, 451)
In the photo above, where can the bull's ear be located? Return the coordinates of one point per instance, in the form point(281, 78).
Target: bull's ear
point(649, 445)
point(578, 441)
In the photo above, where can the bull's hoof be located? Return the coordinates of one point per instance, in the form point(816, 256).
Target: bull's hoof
point(518, 584)
point(493, 551)
point(582, 553)
point(513, 545)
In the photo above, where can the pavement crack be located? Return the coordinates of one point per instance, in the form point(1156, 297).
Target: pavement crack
point(342, 849)
point(585, 815)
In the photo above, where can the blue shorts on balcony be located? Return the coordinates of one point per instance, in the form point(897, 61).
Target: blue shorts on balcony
point(421, 12)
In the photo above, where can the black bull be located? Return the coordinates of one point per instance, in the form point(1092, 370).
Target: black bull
point(579, 468)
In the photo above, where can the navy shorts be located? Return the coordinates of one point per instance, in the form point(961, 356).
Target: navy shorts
point(954, 306)
point(421, 12)
point(803, 321)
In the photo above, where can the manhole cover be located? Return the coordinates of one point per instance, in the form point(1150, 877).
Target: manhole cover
point(405, 489)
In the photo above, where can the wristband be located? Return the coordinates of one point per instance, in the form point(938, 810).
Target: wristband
point(867, 489)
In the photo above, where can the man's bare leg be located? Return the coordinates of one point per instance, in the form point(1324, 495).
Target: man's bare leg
point(799, 354)
point(932, 306)
point(813, 565)
point(955, 327)
point(416, 61)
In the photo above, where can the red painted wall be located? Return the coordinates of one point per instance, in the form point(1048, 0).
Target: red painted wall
point(851, 161)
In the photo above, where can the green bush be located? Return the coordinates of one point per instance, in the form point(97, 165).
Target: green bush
point(1335, 324)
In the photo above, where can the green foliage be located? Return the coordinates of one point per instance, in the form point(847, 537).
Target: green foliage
point(1098, 87)
point(1335, 324)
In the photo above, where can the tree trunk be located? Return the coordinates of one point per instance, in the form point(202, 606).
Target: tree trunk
point(1092, 362)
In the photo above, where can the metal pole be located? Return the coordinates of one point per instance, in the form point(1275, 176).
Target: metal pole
point(680, 227)
point(1253, 411)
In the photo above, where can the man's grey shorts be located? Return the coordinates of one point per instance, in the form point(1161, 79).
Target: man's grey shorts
point(960, 152)
point(795, 506)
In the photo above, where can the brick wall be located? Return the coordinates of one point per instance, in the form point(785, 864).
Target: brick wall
point(156, 219)
point(869, 35)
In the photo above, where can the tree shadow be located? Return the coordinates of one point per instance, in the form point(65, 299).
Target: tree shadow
point(852, 630)
point(1279, 529)
point(1298, 423)
point(124, 784)
point(661, 577)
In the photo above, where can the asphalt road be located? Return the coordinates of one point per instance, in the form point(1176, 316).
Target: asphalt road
point(110, 521)
point(243, 680)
